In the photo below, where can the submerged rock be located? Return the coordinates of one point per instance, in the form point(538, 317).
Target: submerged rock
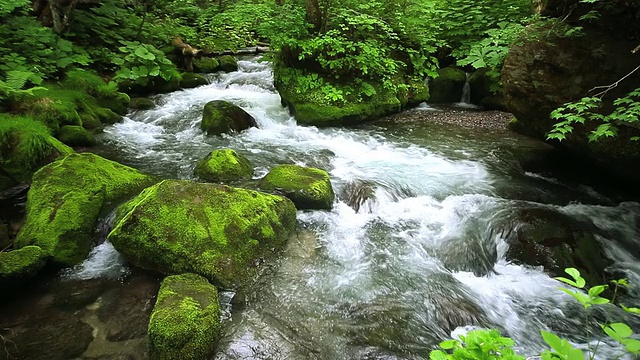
point(224, 165)
point(216, 231)
point(20, 265)
point(221, 116)
point(142, 103)
point(447, 87)
point(545, 237)
point(65, 200)
point(357, 193)
point(228, 63)
point(308, 188)
point(185, 321)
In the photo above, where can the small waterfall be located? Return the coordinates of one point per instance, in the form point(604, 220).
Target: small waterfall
point(466, 91)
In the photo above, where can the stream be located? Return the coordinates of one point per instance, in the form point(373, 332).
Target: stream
point(417, 260)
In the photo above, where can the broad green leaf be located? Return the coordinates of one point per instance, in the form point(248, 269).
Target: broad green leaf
point(438, 355)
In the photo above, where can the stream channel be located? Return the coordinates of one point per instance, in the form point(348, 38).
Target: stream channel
point(420, 257)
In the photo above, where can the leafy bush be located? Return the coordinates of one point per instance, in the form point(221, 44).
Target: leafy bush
point(139, 62)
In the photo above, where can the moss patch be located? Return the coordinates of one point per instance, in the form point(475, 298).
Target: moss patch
point(206, 65)
point(228, 63)
point(212, 230)
point(76, 136)
point(185, 322)
point(25, 146)
point(21, 264)
point(65, 200)
point(308, 188)
point(224, 165)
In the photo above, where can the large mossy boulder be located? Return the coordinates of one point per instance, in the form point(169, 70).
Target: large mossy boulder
point(191, 80)
point(313, 107)
point(25, 146)
point(448, 86)
point(206, 65)
point(65, 201)
point(544, 71)
point(74, 135)
point(556, 241)
point(308, 188)
point(216, 231)
point(228, 63)
point(185, 322)
point(224, 165)
point(19, 265)
point(221, 117)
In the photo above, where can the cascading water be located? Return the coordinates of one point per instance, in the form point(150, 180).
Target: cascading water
point(466, 91)
point(407, 255)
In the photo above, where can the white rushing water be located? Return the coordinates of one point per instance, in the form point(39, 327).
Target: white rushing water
point(415, 263)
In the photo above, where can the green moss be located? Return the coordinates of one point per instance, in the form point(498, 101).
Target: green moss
point(224, 165)
point(215, 231)
point(76, 136)
point(107, 116)
point(219, 117)
point(185, 321)
point(91, 122)
point(142, 103)
point(447, 87)
point(191, 80)
point(308, 188)
point(65, 200)
point(25, 146)
point(228, 63)
point(21, 264)
point(206, 65)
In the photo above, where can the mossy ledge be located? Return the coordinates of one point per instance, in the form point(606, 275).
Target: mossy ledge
point(224, 165)
point(308, 188)
point(20, 265)
point(216, 231)
point(65, 200)
point(185, 322)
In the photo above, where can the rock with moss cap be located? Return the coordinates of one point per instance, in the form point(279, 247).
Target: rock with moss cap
point(191, 80)
point(228, 63)
point(224, 165)
point(142, 103)
point(74, 135)
point(308, 188)
point(20, 265)
point(447, 87)
point(216, 231)
point(206, 65)
point(221, 116)
point(65, 200)
point(185, 322)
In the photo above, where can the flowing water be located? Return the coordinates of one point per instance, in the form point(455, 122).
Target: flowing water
point(409, 254)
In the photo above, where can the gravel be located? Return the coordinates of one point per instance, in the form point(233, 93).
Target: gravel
point(466, 117)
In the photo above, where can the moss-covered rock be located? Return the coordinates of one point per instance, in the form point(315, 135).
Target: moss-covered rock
point(212, 230)
point(65, 200)
point(224, 165)
point(142, 103)
point(73, 135)
point(107, 116)
point(221, 116)
point(308, 188)
point(22, 264)
point(206, 65)
point(185, 322)
point(228, 63)
point(25, 146)
point(191, 80)
point(447, 87)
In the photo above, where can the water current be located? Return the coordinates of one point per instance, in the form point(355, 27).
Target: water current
point(417, 259)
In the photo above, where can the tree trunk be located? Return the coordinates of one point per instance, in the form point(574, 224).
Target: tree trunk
point(314, 15)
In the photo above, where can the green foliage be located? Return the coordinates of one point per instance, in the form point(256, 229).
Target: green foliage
point(479, 344)
point(626, 111)
point(139, 62)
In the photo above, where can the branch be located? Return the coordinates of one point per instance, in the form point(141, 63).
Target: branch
point(636, 49)
point(608, 88)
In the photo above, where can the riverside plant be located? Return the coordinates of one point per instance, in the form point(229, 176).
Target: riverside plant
point(489, 344)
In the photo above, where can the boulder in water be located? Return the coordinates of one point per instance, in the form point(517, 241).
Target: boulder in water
point(206, 65)
point(191, 80)
point(228, 63)
point(21, 264)
point(224, 117)
point(224, 165)
point(545, 237)
point(216, 231)
point(142, 103)
point(74, 135)
point(308, 188)
point(185, 321)
point(65, 200)
point(447, 87)
point(357, 193)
